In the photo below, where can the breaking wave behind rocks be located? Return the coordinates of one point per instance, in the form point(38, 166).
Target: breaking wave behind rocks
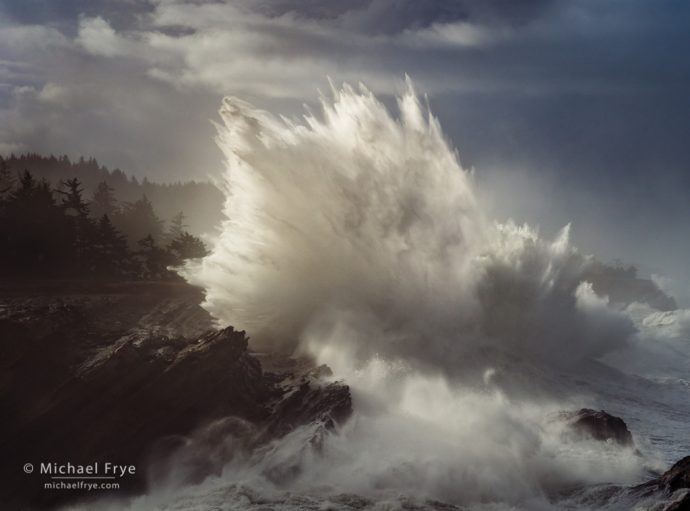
point(356, 237)
point(362, 232)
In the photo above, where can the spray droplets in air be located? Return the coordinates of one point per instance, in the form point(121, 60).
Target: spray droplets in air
point(356, 236)
point(358, 228)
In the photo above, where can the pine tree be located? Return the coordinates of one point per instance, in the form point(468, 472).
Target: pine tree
point(26, 189)
point(138, 220)
point(36, 234)
point(177, 227)
point(154, 260)
point(111, 256)
point(185, 246)
point(103, 201)
point(32, 194)
point(72, 201)
point(6, 178)
point(83, 229)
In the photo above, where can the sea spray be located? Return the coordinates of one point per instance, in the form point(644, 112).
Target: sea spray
point(357, 237)
point(357, 217)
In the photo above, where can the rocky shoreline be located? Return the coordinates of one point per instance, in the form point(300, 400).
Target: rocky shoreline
point(140, 377)
point(121, 378)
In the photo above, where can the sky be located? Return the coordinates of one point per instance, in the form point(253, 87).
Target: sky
point(568, 110)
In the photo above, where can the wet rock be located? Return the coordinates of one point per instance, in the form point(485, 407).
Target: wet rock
point(115, 404)
point(671, 490)
point(599, 425)
point(312, 402)
point(677, 477)
point(110, 378)
point(679, 502)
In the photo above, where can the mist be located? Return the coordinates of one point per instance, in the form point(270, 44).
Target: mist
point(354, 236)
point(248, 255)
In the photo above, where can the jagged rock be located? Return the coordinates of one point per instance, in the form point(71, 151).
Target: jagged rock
point(310, 403)
point(82, 380)
point(679, 502)
point(678, 476)
point(671, 489)
point(675, 478)
point(306, 397)
point(599, 425)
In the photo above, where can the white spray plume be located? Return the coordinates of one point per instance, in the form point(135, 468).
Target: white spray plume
point(357, 237)
point(357, 221)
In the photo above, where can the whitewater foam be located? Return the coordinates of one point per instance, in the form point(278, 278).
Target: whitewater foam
point(358, 220)
point(357, 238)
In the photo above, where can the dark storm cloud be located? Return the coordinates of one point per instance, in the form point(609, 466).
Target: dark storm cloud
point(579, 106)
point(121, 13)
point(281, 51)
point(392, 16)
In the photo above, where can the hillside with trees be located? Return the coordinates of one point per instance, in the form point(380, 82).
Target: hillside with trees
point(57, 232)
point(202, 202)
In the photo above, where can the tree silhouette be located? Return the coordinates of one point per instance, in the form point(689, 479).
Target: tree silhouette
point(154, 260)
point(201, 201)
point(6, 178)
point(177, 226)
point(72, 200)
point(138, 220)
point(185, 246)
point(51, 233)
point(35, 230)
point(103, 201)
point(111, 256)
point(83, 230)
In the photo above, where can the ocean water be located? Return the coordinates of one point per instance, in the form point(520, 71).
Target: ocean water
point(354, 236)
point(391, 460)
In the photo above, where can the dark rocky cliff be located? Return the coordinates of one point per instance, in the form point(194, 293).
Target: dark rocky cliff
point(108, 376)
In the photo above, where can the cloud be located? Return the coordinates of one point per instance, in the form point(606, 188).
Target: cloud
point(54, 93)
point(121, 13)
point(284, 49)
point(394, 16)
point(98, 38)
point(585, 100)
point(277, 52)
